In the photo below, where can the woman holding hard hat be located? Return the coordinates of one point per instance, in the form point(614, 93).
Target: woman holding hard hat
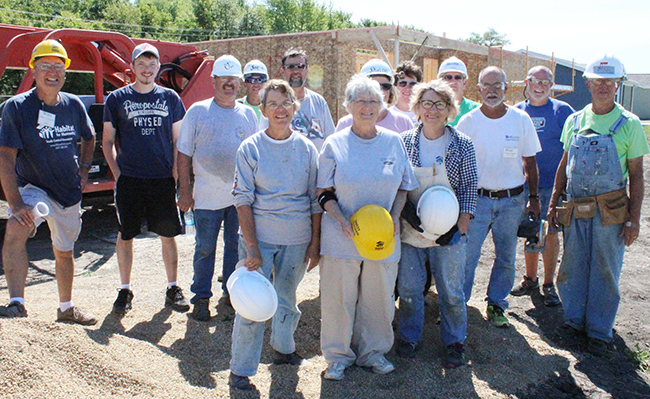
point(279, 216)
point(363, 177)
point(445, 165)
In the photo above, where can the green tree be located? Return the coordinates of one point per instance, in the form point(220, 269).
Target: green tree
point(281, 15)
point(489, 38)
point(252, 21)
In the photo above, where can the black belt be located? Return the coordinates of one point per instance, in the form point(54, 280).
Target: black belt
point(501, 193)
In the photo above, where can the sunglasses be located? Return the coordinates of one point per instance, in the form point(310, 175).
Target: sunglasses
point(50, 67)
point(386, 86)
point(543, 82)
point(291, 67)
point(453, 77)
point(255, 80)
point(404, 83)
point(495, 86)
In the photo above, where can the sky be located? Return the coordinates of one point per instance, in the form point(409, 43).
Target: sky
point(579, 30)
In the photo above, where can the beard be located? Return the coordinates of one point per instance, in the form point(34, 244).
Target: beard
point(296, 82)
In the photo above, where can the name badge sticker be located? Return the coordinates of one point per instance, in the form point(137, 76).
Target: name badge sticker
point(510, 153)
point(46, 118)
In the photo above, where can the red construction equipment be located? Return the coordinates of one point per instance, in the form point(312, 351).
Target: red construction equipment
point(108, 55)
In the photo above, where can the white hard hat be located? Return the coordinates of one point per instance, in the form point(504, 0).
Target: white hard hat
point(227, 65)
point(251, 294)
point(452, 64)
point(256, 67)
point(605, 67)
point(376, 67)
point(438, 211)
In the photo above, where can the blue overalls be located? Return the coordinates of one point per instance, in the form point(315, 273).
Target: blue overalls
point(593, 253)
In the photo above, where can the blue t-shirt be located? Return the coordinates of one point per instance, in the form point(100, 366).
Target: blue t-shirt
point(549, 121)
point(47, 152)
point(143, 123)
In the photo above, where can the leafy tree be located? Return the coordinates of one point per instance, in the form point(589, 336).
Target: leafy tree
point(281, 15)
point(252, 21)
point(490, 38)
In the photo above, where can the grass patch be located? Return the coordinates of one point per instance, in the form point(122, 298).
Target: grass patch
point(646, 128)
point(640, 358)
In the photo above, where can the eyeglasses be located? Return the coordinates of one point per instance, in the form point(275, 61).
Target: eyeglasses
point(363, 103)
point(453, 77)
point(404, 83)
point(386, 86)
point(606, 82)
point(427, 104)
point(291, 67)
point(261, 79)
point(284, 104)
point(494, 86)
point(43, 66)
point(543, 82)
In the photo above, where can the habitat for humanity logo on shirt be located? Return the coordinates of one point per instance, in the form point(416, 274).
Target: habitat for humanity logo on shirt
point(57, 137)
point(146, 115)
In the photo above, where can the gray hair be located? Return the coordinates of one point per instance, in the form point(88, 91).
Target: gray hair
point(538, 68)
point(443, 91)
point(492, 69)
point(361, 85)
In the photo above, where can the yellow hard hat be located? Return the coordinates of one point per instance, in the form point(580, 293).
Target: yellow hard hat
point(373, 232)
point(49, 48)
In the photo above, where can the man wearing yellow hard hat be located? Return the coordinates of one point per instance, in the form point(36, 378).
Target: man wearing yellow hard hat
point(39, 164)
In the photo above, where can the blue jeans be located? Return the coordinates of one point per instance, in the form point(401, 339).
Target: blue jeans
point(448, 268)
point(288, 265)
point(502, 216)
point(208, 223)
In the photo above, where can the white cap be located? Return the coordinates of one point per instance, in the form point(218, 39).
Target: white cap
point(605, 67)
point(376, 67)
point(144, 48)
point(452, 64)
point(227, 65)
point(256, 67)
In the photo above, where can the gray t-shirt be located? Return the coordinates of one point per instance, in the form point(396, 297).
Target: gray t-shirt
point(363, 172)
point(277, 179)
point(211, 135)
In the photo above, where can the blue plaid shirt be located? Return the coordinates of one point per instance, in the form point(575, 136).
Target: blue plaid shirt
point(460, 162)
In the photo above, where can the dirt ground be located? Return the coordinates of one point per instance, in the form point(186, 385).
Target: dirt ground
point(154, 352)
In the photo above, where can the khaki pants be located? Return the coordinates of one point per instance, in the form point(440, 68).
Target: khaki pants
point(357, 309)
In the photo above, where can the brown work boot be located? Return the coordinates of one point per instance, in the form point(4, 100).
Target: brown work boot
point(76, 315)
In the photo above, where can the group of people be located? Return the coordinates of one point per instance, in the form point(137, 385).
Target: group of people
point(284, 182)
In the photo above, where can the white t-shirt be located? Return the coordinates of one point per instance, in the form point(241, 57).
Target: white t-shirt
point(500, 145)
point(211, 135)
point(363, 172)
point(395, 121)
point(432, 152)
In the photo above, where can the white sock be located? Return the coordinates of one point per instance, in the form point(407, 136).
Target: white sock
point(125, 286)
point(18, 299)
point(65, 305)
point(172, 284)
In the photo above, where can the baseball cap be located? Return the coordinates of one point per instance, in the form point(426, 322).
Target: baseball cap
point(144, 48)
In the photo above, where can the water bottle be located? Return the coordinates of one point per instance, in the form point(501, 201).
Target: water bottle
point(188, 219)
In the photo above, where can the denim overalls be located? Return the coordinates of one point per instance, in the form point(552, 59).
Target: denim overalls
point(593, 253)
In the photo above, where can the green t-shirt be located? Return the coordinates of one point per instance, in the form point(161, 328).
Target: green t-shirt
point(630, 140)
point(465, 106)
point(256, 108)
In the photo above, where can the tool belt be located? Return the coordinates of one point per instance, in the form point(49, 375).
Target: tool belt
point(614, 208)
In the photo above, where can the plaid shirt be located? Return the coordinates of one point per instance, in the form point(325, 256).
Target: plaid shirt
point(460, 162)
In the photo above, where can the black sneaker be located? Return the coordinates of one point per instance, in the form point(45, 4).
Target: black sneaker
point(201, 311)
point(598, 347)
point(455, 356)
point(14, 309)
point(567, 332)
point(122, 304)
point(550, 295)
point(287, 358)
point(526, 287)
point(407, 349)
point(240, 382)
point(176, 299)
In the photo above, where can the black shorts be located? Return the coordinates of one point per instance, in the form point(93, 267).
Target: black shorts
point(153, 199)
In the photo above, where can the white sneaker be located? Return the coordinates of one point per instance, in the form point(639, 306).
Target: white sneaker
point(334, 371)
point(382, 366)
